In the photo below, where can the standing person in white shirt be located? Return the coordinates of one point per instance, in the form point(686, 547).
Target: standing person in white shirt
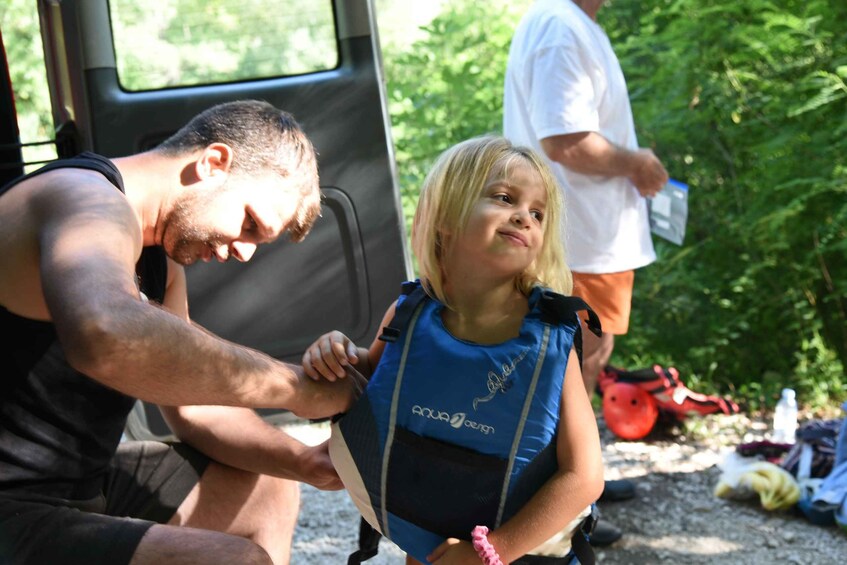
point(566, 96)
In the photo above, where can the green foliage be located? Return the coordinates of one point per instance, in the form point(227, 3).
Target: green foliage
point(21, 38)
point(746, 102)
point(447, 87)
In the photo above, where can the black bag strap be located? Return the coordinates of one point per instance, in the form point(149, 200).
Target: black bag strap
point(415, 295)
point(368, 543)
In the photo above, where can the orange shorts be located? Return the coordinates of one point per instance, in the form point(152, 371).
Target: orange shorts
point(609, 295)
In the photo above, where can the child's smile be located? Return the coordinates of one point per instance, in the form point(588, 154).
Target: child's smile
point(505, 232)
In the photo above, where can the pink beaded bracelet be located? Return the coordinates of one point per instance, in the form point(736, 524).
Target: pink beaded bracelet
point(483, 547)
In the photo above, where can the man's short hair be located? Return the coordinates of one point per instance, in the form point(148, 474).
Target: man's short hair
point(263, 138)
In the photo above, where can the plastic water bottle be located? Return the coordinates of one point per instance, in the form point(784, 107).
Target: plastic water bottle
point(785, 417)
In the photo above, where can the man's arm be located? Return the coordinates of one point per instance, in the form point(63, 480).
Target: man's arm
point(89, 240)
point(590, 153)
point(238, 437)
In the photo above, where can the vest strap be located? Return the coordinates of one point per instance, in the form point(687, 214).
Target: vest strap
point(415, 294)
point(368, 543)
point(559, 308)
point(580, 546)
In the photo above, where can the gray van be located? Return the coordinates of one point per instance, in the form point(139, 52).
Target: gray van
point(116, 91)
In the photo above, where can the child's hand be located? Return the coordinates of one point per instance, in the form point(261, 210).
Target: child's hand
point(329, 356)
point(454, 552)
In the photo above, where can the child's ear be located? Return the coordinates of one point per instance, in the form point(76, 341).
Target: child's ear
point(442, 239)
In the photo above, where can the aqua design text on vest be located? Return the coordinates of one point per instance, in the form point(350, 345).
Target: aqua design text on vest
point(457, 420)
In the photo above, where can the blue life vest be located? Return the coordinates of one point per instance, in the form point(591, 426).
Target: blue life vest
point(450, 434)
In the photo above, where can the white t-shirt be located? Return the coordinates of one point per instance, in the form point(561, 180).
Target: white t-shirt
point(563, 77)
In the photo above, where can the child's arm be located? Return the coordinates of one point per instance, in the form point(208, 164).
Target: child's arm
point(331, 353)
point(577, 483)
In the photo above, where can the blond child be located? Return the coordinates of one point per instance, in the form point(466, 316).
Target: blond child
point(488, 443)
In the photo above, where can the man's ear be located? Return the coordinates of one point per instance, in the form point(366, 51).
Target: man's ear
point(215, 160)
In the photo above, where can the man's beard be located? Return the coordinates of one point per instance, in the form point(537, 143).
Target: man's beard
point(190, 244)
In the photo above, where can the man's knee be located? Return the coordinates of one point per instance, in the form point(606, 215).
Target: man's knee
point(273, 511)
point(278, 497)
point(259, 508)
point(247, 552)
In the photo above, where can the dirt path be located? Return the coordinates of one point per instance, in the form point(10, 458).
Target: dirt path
point(674, 519)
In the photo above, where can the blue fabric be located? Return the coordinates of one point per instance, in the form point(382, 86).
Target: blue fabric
point(448, 377)
point(841, 446)
point(831, 496)
point(459, 394)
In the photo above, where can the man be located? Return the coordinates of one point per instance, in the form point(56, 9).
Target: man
point(93, 299)
point(565, 95)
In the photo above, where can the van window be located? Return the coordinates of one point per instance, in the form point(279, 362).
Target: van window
point(172, 43)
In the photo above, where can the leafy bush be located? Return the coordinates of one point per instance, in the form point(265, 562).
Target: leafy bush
point(746, 102)
point(448, 86)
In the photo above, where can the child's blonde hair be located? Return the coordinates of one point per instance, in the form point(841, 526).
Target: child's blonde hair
point(450, 190)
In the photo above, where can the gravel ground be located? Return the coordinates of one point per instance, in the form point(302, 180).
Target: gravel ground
point(674, 519)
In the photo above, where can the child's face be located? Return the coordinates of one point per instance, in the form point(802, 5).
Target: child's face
point(504, 233)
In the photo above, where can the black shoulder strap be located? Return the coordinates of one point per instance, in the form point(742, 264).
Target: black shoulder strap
point(557, 308)
point(85, 160)
point(415, 294)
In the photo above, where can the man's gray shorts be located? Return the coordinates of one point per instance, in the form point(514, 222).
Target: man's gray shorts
point(145, 485)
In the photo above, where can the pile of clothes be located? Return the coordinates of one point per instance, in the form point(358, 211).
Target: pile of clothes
point(744, 477)
point(810, 474)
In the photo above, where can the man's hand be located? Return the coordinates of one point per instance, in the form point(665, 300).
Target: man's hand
point(650, 175)
point(324, 399)
point(318, 470)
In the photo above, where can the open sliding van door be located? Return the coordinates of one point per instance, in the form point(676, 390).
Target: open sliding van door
point(125, 74)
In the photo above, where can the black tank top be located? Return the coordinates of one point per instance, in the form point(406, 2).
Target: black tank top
point(58, 428)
